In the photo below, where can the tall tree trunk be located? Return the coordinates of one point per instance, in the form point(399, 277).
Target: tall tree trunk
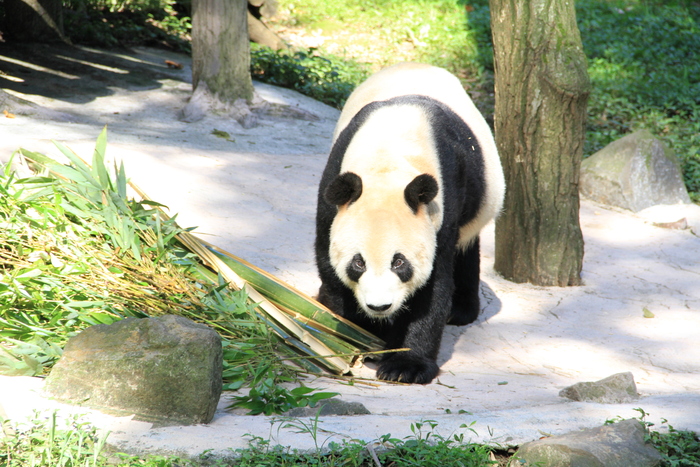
point(542, 89)
point(220, 48)
point(34, 20)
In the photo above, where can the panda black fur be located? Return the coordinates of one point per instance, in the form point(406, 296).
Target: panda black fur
point(412, 177)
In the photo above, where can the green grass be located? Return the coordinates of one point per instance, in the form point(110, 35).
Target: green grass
point(644, 64)
point(327, 78)
point(425, 448)
point(48, 440)
point(391, 30)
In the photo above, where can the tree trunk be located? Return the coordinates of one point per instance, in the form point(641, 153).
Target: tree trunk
point(34, 21)
point(220, 49)
point(542, 88)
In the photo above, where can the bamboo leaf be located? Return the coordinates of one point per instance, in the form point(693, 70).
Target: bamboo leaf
point(77, 162)
point(99, 170)
point(121, 180)
point(36, 157)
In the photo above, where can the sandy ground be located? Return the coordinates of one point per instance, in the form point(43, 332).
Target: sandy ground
point(255, 196)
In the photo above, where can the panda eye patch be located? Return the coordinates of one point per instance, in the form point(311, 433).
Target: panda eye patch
point(356, 267)
point(402, 267)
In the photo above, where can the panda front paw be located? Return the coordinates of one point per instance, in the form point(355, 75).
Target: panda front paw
point(407, 369)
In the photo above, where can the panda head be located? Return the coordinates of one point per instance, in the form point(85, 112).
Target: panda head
point(383, 239)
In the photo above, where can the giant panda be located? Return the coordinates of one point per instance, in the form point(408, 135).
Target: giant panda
point(412, 177)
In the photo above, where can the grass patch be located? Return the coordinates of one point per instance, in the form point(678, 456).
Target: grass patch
point(327, 78)
point(644, 63)
point(388, 30)
point(425, 448)
point(47, 439)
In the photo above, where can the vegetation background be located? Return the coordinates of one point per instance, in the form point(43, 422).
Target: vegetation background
point(643, 55)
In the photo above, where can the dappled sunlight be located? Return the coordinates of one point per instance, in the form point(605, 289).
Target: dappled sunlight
point(79, 75)
point(638, 311)
point(31, 66)
point(94, 65)
point(253, 193)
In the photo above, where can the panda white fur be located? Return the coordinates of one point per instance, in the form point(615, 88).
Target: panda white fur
point(412, 177)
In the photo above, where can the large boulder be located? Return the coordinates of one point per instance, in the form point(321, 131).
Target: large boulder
point(634, 172)
point(164, 370)
point(618, 445)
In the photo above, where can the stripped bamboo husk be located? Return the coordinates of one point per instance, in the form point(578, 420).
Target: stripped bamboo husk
point(298, 304)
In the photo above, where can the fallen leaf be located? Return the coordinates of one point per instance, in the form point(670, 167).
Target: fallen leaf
point(680, 224)
point(647, 313)
point(8, 114)
point(172, 64)
point(223, 134)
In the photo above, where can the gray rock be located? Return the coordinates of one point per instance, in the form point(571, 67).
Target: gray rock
point(330, 407)
point(165, 370)
point(616, 389)
point(618, 445)
point(634, 172)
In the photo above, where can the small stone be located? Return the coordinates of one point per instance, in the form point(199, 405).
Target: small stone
point(330, 407)
point(165, 370)
point(634, 172)
point(680, 224)
point(616, 389)
point(618, 445)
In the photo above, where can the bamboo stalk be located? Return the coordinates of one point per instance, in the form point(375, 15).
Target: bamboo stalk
point(300, 305)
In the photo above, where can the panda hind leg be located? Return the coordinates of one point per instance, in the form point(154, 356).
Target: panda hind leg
point(465, 301)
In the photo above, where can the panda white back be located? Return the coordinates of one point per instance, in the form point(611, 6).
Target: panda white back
point(426, 80)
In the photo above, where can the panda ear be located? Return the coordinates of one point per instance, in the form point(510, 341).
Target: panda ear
point(421, 190)
point(345, 188)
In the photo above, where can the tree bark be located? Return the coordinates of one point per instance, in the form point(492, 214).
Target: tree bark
point(34, 21)
point(542, 89)
point(220, 49)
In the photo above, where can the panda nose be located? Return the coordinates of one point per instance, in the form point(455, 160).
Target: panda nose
point(379, 307)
